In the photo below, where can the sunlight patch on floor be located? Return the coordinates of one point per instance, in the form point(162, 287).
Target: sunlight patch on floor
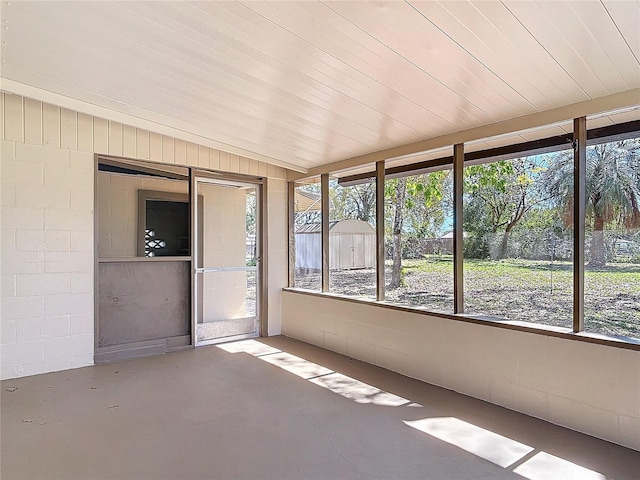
point(485, 444)
point(348, 387)
point(495, 448)
point(358, 391)
point(248, 346)
point(502, 451)
point(543, 466)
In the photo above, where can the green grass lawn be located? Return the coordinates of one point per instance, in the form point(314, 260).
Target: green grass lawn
point(538, 291)
point(521, 290)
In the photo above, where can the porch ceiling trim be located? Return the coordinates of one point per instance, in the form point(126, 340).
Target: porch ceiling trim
point(607, 103)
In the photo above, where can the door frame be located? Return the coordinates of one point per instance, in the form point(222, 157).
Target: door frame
point(260, 184)
point(146, 347)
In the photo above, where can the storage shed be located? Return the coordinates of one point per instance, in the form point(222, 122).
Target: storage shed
point(352, 244)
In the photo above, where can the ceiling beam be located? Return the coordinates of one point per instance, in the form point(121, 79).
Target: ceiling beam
point(607, 103)
point(611, 133)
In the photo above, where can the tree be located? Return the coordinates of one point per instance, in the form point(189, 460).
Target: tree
point(612, 190)
point(357, 202)
point(416, 204)
point(427, 198)
point(499, 195)
point(398, 218)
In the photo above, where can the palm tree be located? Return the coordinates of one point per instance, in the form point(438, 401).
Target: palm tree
point(612, 188)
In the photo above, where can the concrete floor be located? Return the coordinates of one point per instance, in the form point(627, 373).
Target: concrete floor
point(239, 412)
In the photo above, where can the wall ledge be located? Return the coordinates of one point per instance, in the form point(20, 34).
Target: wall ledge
point(546, 330)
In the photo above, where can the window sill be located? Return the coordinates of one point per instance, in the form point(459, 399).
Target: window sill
point(538, 329)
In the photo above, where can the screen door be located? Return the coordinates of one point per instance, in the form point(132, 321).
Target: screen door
point(227, 261)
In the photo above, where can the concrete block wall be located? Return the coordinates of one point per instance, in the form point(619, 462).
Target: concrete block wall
point(587, 387)
point(47, 259)
point(278, 250)
point(46, 220)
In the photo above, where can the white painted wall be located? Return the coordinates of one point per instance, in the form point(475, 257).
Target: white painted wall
point(278, 244)
point(591, 388)
point(47, 259)
point(46, 220)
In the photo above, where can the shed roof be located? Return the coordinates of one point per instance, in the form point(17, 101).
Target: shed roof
point(313, 227)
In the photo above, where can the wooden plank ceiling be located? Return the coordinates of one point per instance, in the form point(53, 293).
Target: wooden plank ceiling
point(312, 83)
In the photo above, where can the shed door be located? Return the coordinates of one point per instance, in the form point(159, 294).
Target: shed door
point(358, 251)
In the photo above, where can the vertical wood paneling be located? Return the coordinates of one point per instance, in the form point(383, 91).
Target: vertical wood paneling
point(51, 125)
point(115, 139)
point(253, 167)
point(129, 141)
point(180, 147)
point(142, 144)
point(68, 129)
point(155, 147)
point(192, 154)
point(263, 169)
point(40, 123)
point(224, 161)
point(168, 154)
point(203, 157)
point(234, 163)
point(32, 121)
point(85, 132)
point(100, 135)
point(13, 119)
point(244, 165)
point(214, 159)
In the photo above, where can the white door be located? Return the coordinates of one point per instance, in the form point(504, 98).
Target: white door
point(227, 263)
